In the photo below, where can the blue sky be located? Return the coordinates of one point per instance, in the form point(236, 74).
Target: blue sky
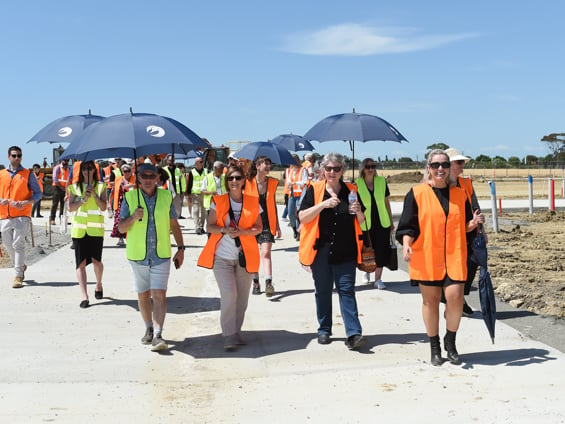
point(483, 76)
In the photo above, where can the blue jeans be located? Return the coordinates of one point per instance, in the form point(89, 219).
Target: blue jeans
point(292, 211)
point(343, 275)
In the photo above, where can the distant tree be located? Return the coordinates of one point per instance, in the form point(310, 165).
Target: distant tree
point(405, 160)
point(483, 159)
point(499, 161)
point(531, 160)
point(555, 143)
point(514, 161)
point(434, 146)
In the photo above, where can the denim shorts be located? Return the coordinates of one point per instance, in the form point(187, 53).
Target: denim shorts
point(150, 278)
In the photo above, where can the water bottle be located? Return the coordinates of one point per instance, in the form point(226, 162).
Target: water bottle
point(352, 198)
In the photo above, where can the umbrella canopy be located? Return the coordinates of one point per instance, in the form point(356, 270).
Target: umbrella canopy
point(276, 153)
point(292, 142)
point(486, 291)
point(190, 155)
point(131, 135)
point(353, 127)
point(66, 129)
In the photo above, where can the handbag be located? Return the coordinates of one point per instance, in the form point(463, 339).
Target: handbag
point(393, 256)
point(241, 255)
point(368, 263)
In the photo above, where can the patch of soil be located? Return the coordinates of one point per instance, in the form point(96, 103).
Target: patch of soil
point(405, 177)
point(526, 261)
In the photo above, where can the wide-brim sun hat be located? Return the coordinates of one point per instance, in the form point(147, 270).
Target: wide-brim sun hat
point(455, 154)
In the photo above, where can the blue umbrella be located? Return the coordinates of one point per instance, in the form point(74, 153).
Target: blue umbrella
point(66, 129)
point(131, 135)
point(353, 127)
point(276, 153)
point(486, 291)
point(292, 142)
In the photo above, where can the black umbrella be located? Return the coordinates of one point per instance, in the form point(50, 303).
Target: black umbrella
point(486, 292)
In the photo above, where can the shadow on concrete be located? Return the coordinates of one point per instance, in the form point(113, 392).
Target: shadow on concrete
point(259, 344)
point(175, 304)
point(33, 283)
point(287, 293)
point(511, 358)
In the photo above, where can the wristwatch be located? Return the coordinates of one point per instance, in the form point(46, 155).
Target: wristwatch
point(181, 247)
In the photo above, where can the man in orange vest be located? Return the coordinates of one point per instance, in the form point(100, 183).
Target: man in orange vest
point(60, 180)
point(18, 191)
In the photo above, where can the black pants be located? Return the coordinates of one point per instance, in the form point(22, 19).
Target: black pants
point(58, 199)
point(36, 209)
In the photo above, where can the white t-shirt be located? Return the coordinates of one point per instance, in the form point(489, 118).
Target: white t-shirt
point(226, 247)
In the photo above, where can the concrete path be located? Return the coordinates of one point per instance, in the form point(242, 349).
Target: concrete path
point(63, 364)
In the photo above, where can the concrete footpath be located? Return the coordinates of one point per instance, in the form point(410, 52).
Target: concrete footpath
point(63, 364)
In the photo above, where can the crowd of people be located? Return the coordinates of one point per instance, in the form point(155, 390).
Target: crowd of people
point(235, 205)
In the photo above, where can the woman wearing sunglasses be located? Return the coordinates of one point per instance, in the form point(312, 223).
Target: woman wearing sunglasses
point(432, 230)
point(87, 198)
point(373, 192)
point(260, 185)
point(232, 252)
point(330, 245)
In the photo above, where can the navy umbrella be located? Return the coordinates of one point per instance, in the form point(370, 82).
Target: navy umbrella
point(292, 142)
point(354, 127)
point(276, 153)
point(486, 291)
point(131, 135)
point(66, 129)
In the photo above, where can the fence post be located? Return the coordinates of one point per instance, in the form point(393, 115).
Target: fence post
point(493, 206)
point(551, 194)
point(531, 193)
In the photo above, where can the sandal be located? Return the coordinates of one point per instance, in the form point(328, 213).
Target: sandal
point(84, 304)
point(98, 294)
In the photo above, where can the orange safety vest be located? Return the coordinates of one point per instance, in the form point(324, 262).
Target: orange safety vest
point(310, 232)
point(15, 189)
point(272, 184)
point(116, 193)
point(287, 179)
point(39, 177)
point(63, 176)
point(249, 214)
point(467, 185)
point(295, 178)
point(441, 247)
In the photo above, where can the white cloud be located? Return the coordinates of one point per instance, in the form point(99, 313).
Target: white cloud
point(363, 40)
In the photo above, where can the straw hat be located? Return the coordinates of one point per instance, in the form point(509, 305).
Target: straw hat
point(455, 154)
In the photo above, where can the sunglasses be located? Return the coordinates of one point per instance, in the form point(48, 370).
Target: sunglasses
point(148, 176)
point(87, 168)
point(370, 166)
point(234, 178)
point(335, 169)
point(436, 165)
point(459, 162)
point(17, 155)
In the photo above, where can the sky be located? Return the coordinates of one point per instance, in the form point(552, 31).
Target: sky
point(485, 77)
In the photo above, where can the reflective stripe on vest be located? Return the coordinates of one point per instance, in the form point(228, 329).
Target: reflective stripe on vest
point(88, 219)
point(441, 246)
point(136, 248)
point(211, 186)
point(310, 232)
point(249, 214)
point(379, 190)
point(251, 189)
point(15, 189)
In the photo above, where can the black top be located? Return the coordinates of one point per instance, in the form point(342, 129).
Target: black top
point(336, 226)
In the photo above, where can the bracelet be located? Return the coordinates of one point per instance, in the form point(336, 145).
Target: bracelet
point(181, 247)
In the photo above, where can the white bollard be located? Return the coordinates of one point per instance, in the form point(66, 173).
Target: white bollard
point(493, 206)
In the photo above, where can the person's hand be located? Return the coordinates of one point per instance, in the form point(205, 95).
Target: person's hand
point(406, 253)
point(178, 259)
point(18, 204)
point(279, 233)
point(138, 213)
point(332, 202)
point(355, 207)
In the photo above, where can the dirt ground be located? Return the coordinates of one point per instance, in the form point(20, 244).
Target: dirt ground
point(526, 256)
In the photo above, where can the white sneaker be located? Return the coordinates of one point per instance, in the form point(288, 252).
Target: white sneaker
point(367, 278)
point(380, 285)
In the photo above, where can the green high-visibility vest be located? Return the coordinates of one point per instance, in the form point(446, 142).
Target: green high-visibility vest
point(379, 190)
point(136, 248)
point(88, 219)
point(197, 180)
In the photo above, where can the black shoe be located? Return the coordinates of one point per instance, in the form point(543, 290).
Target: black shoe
point(181, 217)
point(435, 347)
point(84, 304)
point(467, 311)
point(324, 338)
point(39, 216)
point(98, 294)
point(449, 345)
point(355, 341)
